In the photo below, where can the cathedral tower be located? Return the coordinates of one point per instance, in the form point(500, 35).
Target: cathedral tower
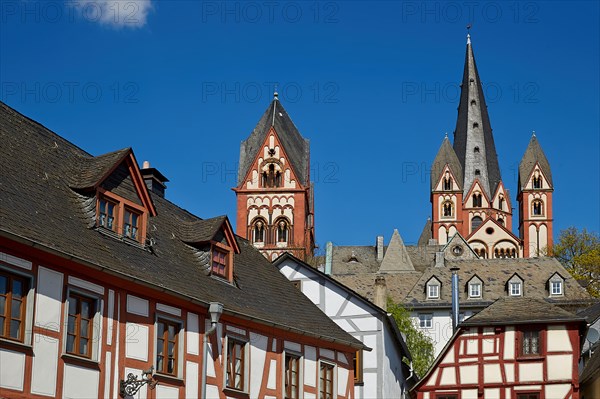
point(274, 191)
point(467, 192)
point(535, 201)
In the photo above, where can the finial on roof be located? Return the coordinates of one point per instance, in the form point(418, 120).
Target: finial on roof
point(446, 135)
point(275, 94)
point(469, 34)
point(533, 133)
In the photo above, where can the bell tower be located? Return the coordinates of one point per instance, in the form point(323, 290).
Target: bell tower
point(274, 191)
point(535, 201)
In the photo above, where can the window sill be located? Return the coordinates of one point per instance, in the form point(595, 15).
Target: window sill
point(530, 358)
point(173, 379)
point(80, 361)
point(16, 345)
point(236, 393)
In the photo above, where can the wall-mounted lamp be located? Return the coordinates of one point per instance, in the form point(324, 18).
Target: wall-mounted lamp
point(132, 384)
point(215, 310)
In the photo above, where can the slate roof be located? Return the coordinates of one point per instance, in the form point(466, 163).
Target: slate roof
point(591, 313)
point(398, 285)
point(296, 147)
point(523, 310)
point(495, 273)
point(87, 171)
point(37, 206)
point(201, 230)
point(465, 117)
point(534, 154)
point(426, 234)
point(446, 156)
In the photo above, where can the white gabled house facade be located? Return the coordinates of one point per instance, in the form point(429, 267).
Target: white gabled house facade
point(380, 372)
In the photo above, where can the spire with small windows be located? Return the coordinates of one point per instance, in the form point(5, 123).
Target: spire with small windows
point(473, 139)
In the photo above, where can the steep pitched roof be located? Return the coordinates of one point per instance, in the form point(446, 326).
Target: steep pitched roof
point(533, 155)
point(396, 257)
point(522, 310)
point(495, 273)
point(35, 188)
point(446, 156)
point(591, 313)
point(296, 147)
point(426, 234)
point(473, 110)
point(87, 171)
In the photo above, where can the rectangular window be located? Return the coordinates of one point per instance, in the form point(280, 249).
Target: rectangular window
point(446, 396)
point(475, 290)
point(13, 295)
point(219, 263)
point(130, 224)
point(167, 346)
point(426, 320)
point(292, 376)
point(80, 324)
point(326, 381)
point(235, 364)
point(530, 345)
point(433, 291)
point(107, 213)
point(515, 289)
point(358, 374)
point(528, 395)
point(556, 287)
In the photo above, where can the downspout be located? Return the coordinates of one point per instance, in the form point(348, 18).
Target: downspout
point(455, 304)
point(215, 309)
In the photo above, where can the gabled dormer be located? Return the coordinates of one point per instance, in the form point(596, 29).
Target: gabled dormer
point(476, 196)
point(214, 245)
point(448, 181)
point(515, 285)
point(556, 285)
point(458, 248)
point(474, 288)
point(433, 288)
point(115, 195)
point(501, 199)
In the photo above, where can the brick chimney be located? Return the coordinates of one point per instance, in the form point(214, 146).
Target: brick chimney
point(155, 181)
point(380, 292)
point(379, 248)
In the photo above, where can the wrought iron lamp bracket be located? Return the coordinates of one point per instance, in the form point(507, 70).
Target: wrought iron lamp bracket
point(132, 384)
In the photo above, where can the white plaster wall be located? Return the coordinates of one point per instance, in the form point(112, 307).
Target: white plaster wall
point(136, 341)
point(48, 299)
point(560, 367)
point(441, 331)
point(492, 373)
point(192, 376)
point(193, 334)
point(12, 377)
point(559, 391)
point(166, 392)
point(543, 237)
point(310, 366)
point(137, 305)
point(558, 339)
point(80, 382)
point(469, 374)
point(530, 372)
point(391, 368)
point(509, 343)
point(258, 352)
point(212, 392)
point(44, 365)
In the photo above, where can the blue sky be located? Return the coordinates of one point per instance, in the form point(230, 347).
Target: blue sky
point(373, 85)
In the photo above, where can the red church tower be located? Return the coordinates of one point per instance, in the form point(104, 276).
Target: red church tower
point(467, 193)
point(274, 191)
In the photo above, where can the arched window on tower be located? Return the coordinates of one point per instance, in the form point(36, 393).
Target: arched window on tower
point(477, 200)
point(447, 209)
point(501, 221)
point(271, 178)
point(475, 223)
point(537, 181)
point(258, 231)
point(447, 182)
point(537, 208)
point(282, 232)
point(501, 203)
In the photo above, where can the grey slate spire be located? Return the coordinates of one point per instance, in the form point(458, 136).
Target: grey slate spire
point(534, 154)
point(396, 257)
point(473, 139)
point(296, 147)
point(446, 156)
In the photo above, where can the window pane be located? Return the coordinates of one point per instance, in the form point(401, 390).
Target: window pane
point(171, 332)
point(71, 325)
point(160, 346)
point(15, 329)
point(85, 309)
point(159, 363)
point(83, 346)
point(70, 343)
point(15, 309)
point(1, 326)
point(2, 305)
point(3, 285)
point(171, 367)
point(161, 329)
point(72, 305)
point(17, 289)
point(171, 349)
point(83, 328)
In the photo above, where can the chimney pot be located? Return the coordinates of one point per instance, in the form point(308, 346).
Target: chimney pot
point(379, 248)
point(146, 165)
point(380, 292)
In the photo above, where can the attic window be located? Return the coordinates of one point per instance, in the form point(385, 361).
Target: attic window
point(475, 289)
point(555, 285)
point(130, 224)
point(220, 263)
point(107, 212)
point(123, 217)
point(433, 289)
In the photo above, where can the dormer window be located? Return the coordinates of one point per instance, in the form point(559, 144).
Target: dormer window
point(515, 286)
point(433, 288)
point(107, 212)
point(220, 263)
point(556, 285)
point(475, 287)
point(130, 224)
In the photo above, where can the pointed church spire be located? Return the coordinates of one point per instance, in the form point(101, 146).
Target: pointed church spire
point(533, 155)
point(396, 257)
point(445, 156)
point(473, 139)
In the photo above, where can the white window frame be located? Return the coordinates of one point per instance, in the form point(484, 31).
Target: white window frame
point(424, 321)
point(96, 325)
point(29, 306)
point(300, 372)
point(472, 293)
point(429, 290)
point(512, 291)
point(335, 382)
point(559, 284)
point(180, 343)
point(246, 343)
